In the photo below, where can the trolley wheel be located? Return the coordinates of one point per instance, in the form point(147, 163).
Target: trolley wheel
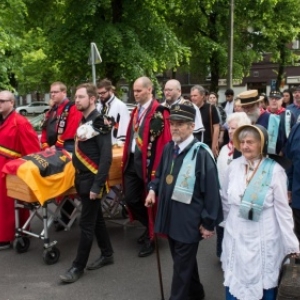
point(124, 212)
point(51, 255)
point(21, 244)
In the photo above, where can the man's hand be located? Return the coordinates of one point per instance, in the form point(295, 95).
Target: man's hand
point(150, 200)
point(206, 234)
point(215, 150)
point(93, 196)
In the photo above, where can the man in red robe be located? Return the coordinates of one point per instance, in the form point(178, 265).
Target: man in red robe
point(17, 139)
point(58, 131)
point(147, 133)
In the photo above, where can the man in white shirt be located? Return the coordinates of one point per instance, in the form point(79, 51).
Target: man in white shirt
point(111, 106)
point(228, 105)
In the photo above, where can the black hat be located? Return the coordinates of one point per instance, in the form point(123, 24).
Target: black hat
point(183, 112)
point(229, 92)
point(275, 94)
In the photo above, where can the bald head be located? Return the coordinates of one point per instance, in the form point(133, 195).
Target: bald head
point(172, 91)
point(7, 100)
point(142, 89)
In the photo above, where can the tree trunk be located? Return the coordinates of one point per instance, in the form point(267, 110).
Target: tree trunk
point(117, 10)
point(214, 60)
point(281, 64)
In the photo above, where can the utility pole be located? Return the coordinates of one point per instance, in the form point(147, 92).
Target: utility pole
point(230, 46)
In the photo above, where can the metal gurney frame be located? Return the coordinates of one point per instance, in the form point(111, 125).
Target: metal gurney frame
point(24, 198)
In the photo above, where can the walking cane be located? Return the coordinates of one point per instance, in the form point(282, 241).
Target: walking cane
point(157, 258)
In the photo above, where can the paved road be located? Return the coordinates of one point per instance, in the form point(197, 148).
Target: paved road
point(26, 277)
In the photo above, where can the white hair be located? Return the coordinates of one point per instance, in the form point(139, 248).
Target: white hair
point(240, 118)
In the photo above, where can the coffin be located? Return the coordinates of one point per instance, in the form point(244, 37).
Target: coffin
point(115, 171)
point(18, 189)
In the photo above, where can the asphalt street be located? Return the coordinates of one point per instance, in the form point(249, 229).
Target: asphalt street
point(26, 276)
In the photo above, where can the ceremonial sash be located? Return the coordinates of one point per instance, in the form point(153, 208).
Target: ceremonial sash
point(287, 122)
point(90, 165)
point(185, 182)
point(273, 127)
point(6, 152)
point(255, 193)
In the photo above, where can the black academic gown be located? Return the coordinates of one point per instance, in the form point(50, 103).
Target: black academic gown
point(181, 221)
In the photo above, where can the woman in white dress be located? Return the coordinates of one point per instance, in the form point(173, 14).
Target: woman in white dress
point(259, 224)
point(226, 155)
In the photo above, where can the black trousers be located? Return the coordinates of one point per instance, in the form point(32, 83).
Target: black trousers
point(134, 194)
point(91, 222)
point(296, 215)
point(185, 282)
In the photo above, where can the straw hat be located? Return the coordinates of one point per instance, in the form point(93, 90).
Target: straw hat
point(250, 97)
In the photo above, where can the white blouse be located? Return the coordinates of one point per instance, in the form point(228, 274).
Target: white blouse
point(253, 251)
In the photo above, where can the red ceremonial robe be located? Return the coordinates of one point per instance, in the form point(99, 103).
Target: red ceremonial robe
point(17, 139)
point(156, 135)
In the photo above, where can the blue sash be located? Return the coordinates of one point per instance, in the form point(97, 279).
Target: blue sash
point(255, 193)
point(273, 128)
point(185, 182)
point(287, 122)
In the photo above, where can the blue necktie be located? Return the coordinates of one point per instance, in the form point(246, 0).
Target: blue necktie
point(141, 108)
point(176, 151)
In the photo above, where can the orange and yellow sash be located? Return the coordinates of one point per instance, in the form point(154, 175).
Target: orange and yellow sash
point(9, 153)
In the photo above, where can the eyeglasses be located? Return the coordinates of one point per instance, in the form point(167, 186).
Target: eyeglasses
point(54, 92)
point(3, 101)
point(102, 93)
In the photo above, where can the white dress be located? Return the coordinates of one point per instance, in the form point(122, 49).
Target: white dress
point(253, 251)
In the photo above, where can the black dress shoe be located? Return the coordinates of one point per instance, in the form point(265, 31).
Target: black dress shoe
point(101, 262)
point(4, 245)
point(147, 248)
point(201, 296)
point(142, 238)
point(72, 275)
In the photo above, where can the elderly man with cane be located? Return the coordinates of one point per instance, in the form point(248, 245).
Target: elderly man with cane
point(189, 206)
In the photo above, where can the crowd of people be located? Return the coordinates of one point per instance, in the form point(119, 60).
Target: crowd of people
point(191, 168)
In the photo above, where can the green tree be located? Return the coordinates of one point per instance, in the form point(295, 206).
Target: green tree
point(132, 37)
point(12, 18)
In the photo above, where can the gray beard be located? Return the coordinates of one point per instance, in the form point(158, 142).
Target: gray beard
point(254, 116)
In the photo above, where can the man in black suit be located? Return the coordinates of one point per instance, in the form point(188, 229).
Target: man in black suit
point(189, 206)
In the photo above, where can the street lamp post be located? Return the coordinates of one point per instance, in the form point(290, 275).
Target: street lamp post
point(230, 45)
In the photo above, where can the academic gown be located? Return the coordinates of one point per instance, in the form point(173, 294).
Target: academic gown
point(17, 139)
point(156, 134)
point(263, 120)
point(181, 221)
